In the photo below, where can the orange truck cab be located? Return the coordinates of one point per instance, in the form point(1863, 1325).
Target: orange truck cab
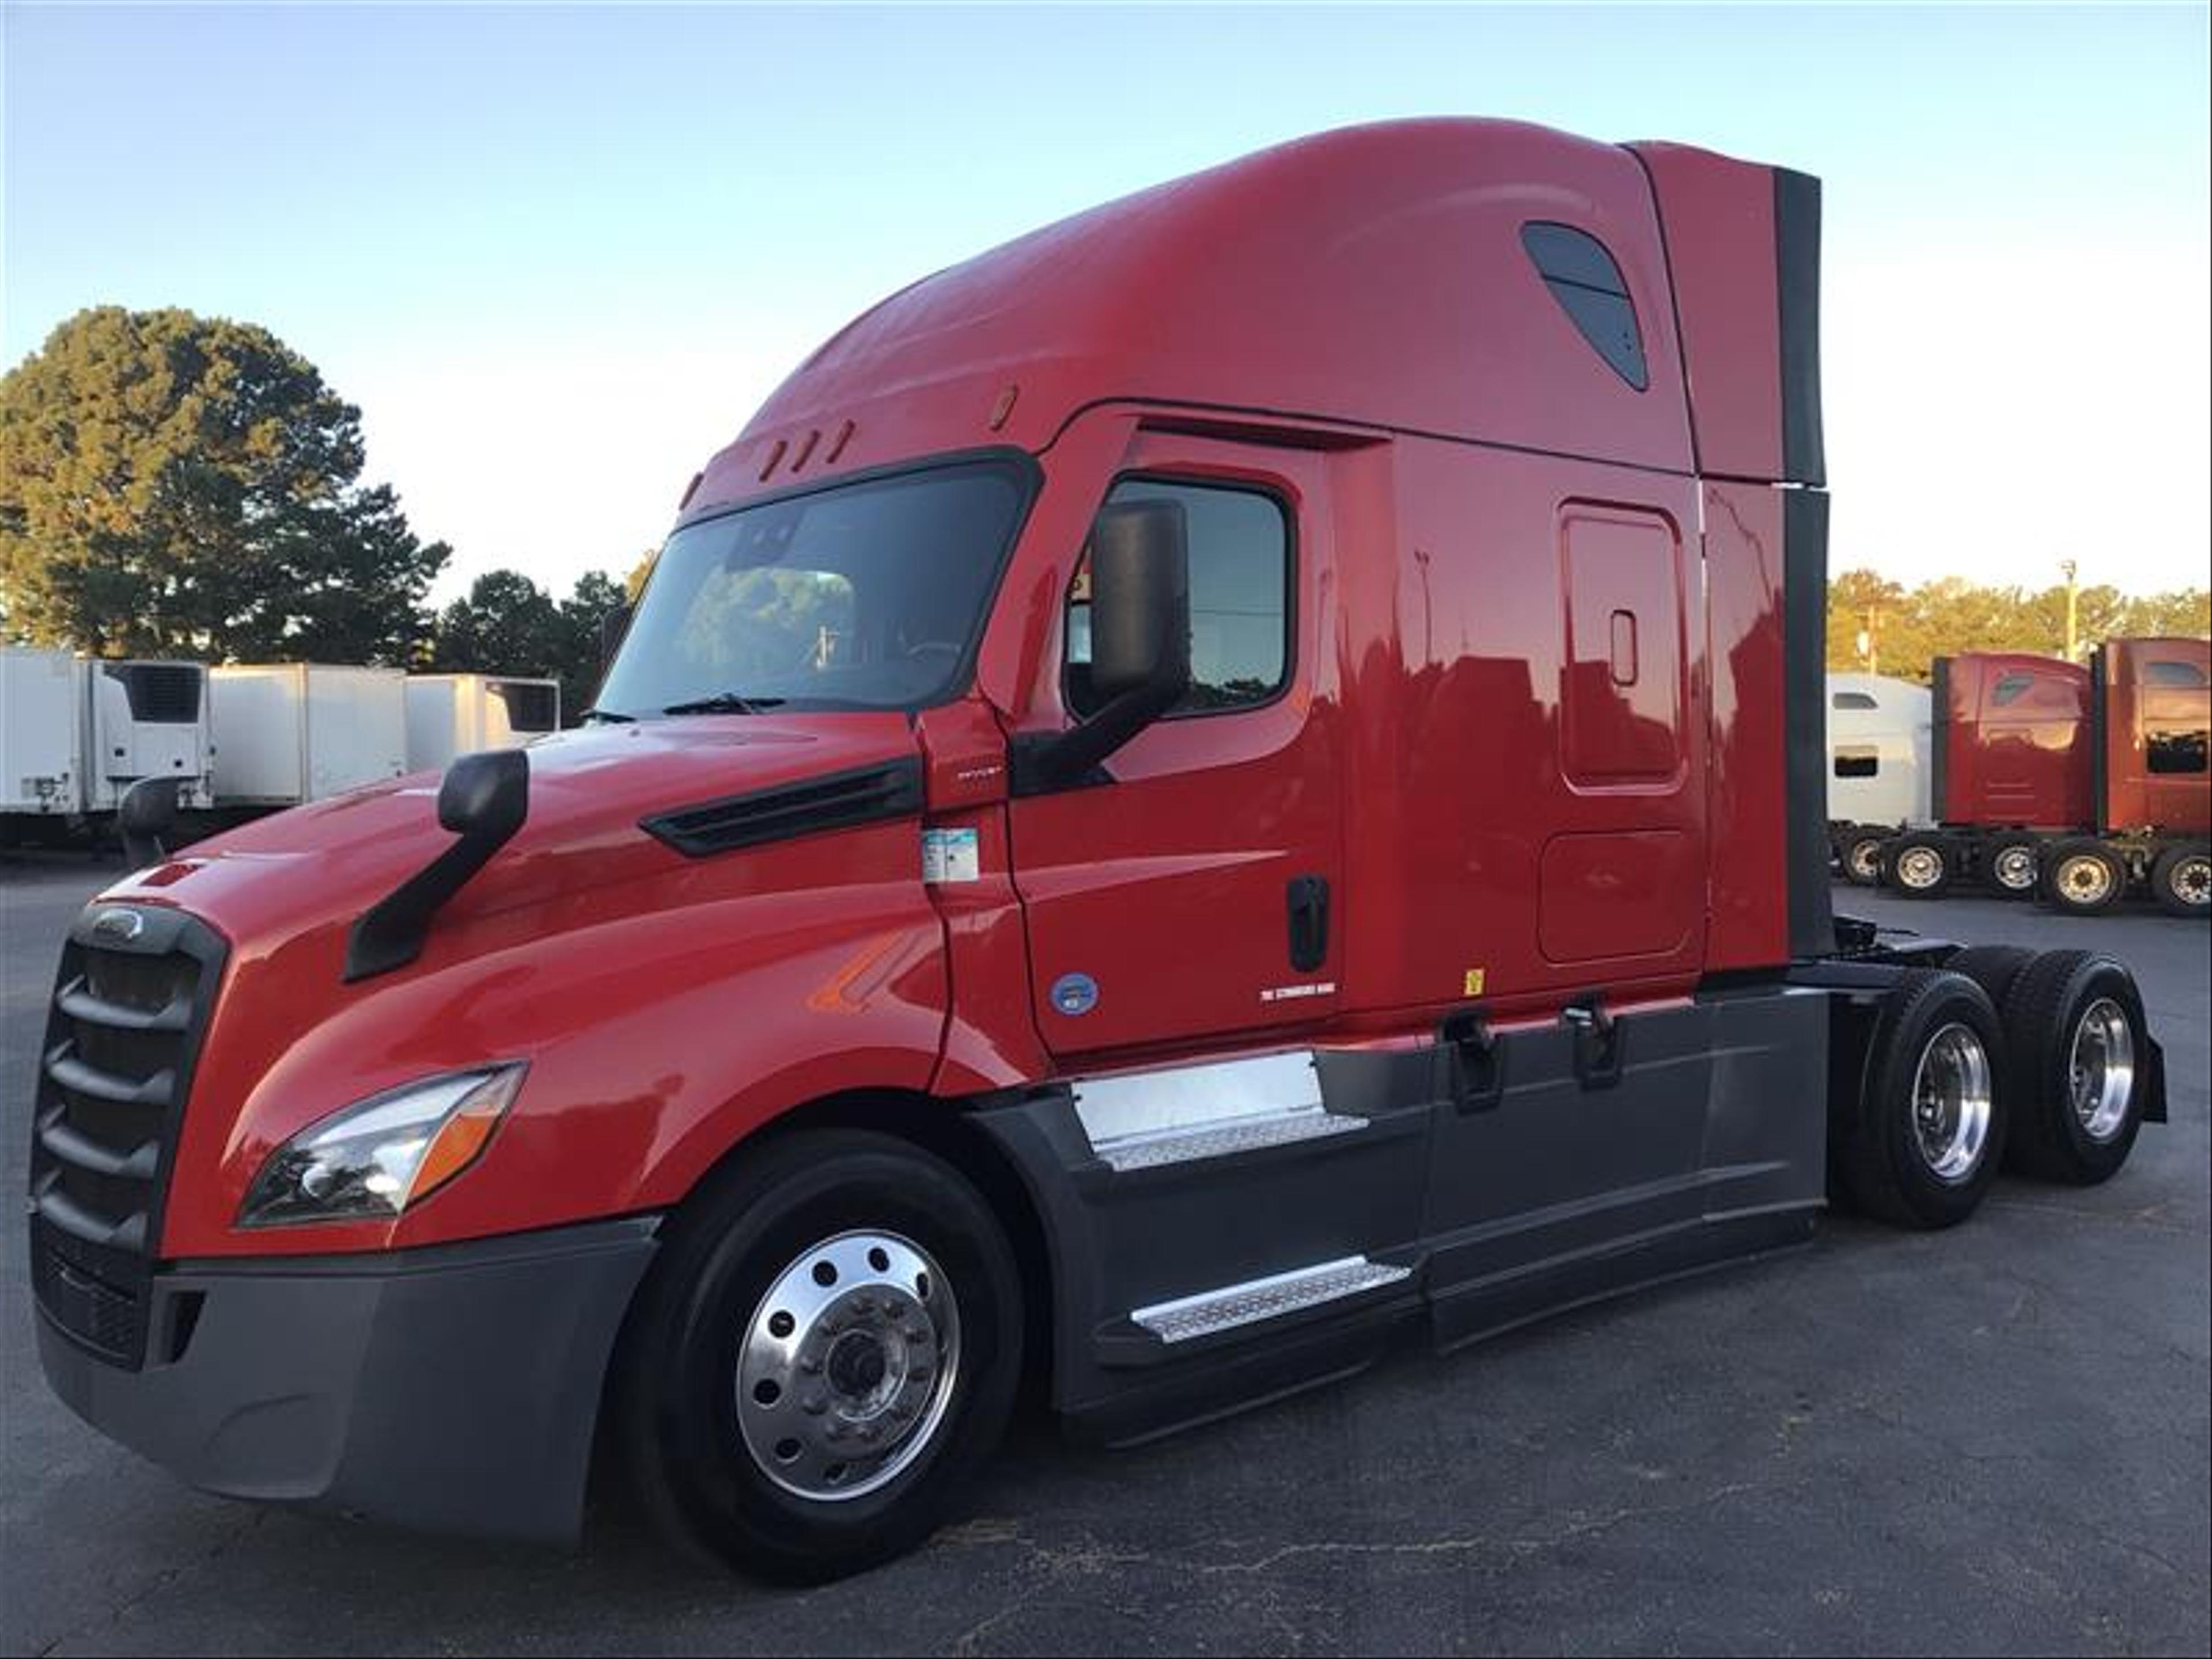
point(1239, 773)
point(2079, 783)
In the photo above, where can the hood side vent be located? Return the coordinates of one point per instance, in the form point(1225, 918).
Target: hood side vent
point(866, 794)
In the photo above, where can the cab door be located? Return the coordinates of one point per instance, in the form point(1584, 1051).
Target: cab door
point(1189, 891)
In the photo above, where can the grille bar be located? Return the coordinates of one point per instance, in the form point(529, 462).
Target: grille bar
point(78, 1002)
point(126, 1233)
point(141, 1163)
point(73, 1074)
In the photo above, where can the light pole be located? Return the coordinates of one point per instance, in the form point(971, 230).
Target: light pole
point(2073, 613)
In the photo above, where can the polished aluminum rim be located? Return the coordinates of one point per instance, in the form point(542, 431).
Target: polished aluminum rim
point(1919, 868)
point(848, 1365)
point(2102, 1068)
point(2015, 868)
point(1952, 1104)
point(1864, 858)
point(2086, 879)
point(2192, 881)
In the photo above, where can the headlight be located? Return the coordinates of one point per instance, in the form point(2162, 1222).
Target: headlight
point(371, 1160)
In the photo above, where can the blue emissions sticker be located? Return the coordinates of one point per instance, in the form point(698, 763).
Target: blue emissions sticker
point(1075, 993)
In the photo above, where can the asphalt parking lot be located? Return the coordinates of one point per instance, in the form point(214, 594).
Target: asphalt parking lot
point(1994, 1440)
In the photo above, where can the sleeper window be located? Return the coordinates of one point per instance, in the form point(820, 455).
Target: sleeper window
point(1589, 287)
point(1240, 573)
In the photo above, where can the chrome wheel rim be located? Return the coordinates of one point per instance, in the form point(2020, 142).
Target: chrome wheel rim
point(2101, 1070)
point(2192, 881)
point(848, 1366)
point(2015, 868)
point(1952, 1104)
point(1919, 868)
point(1864, 858)
point(2086, 880)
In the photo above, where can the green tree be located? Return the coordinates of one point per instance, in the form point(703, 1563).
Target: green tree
point(175, 484)
point(1909, 628)
point(584, 615)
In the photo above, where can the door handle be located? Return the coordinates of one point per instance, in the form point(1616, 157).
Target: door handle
point(1308, 899)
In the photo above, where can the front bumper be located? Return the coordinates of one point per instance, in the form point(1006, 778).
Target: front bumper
point(454, 1390)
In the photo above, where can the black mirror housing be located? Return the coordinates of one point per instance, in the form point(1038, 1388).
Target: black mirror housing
point(485, 796)
point(1139, 599)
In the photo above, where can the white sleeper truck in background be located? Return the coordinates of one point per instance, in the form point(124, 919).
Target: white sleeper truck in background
point(289, 732)
point(454, 715)
point(146, 720)
point(42, 734)
point(1879, 764)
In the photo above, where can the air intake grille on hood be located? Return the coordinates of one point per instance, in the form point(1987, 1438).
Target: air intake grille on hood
point(867, 795)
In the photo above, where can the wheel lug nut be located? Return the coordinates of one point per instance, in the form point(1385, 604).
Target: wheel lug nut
point(814, 1405)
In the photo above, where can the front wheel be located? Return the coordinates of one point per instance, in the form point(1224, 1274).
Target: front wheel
point(827, 1348)
point(1859, 854)
point(1918, 866)
point(2182, 879)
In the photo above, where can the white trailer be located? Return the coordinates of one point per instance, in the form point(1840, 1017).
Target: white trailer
point(289, 732)
point(1879, 769)
point(146, 718)
point(42, 734)
point(451, 714)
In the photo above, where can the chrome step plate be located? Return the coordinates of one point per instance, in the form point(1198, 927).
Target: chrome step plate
point(1248, 1303)
point(1150, 1151)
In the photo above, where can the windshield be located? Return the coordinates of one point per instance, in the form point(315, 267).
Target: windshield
point(864, 596)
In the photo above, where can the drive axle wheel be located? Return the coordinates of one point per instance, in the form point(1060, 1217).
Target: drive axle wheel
point(2083, 877)
point(1924, 1144)
point(827, 1348)
point(2182, 879)
point(2078, 1049)
point(1859, 854)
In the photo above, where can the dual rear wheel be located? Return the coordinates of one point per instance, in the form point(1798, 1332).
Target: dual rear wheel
point(2003, 1056)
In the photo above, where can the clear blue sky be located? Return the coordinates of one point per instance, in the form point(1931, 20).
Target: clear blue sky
point(558, 255)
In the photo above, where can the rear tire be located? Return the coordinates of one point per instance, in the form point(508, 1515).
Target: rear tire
point(1859, 854)
point(1992, 967)
point(2182, 879)
point(1925, 1143)
point(2077, 1047)
point(2009, 866)
point(2083, 877)
point(1918, 866)
point(827, 1348)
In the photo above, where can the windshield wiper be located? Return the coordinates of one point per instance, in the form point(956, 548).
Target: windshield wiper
point(723, 703)
point(607, 715)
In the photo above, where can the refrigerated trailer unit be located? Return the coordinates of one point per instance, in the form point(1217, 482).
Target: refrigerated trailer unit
point(1238, 776)
point(450, 715)
point(42, 734)
point(1878, 767)
point(290, 733)
point(146, 718)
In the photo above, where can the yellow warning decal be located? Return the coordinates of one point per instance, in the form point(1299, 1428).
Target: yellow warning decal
point(1474, 977)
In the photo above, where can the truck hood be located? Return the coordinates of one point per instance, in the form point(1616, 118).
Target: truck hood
point(322, 865)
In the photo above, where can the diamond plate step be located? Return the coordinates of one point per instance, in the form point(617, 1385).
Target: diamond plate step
point(1148, 1152)
point(1258, 1299)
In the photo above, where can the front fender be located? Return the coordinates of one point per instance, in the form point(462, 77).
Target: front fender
point(662, 1023)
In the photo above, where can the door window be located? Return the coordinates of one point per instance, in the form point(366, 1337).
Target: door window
point(1240, 585)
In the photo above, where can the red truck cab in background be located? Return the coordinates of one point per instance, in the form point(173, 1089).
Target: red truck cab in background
point(2077, 782)
point(1239, 772)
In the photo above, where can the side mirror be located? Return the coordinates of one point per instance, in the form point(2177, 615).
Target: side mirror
point(1139, 640)
point(485, 796)
point(145, 817)
point(613, 624)
point(484, 800)
point(1141, 601)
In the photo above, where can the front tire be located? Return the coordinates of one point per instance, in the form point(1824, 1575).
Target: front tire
point(2008, 865)
point(1859, 854)
point(2182, 879)
point(1924, 1142)
point(1918, 866)
point(827, 1349)
point(2075, 1064)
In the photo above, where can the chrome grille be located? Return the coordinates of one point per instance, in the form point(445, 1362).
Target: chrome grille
point(124, 1028)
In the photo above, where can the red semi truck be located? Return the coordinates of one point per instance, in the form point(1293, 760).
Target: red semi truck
point(1240, 773)
point(2074, 782)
